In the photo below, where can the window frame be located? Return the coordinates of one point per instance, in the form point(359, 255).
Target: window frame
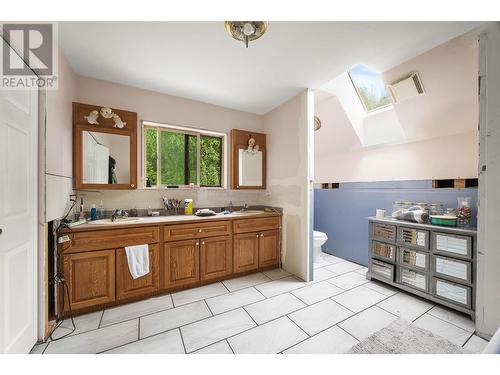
point(390, 104)
point(198, 132)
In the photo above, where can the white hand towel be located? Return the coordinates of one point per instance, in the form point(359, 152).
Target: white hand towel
point(138, 260)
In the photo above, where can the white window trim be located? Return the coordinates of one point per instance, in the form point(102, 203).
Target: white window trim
point(189, 130)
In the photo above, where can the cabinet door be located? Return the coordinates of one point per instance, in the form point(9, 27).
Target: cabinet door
point(246, 252)
point(216, 255)
point(181, 263)
point(126, 285)
point(269, 248)
point(90, 277)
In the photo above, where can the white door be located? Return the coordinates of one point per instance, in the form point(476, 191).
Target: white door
point(18, 219)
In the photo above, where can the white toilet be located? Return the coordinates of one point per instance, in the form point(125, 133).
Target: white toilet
point(319, 238)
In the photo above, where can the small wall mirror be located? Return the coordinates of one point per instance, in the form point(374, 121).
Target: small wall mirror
point(248, 160)
point(104, 148)
point(250, 168)
point(106, 158)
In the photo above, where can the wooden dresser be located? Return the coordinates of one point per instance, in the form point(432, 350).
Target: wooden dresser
point(434, 262)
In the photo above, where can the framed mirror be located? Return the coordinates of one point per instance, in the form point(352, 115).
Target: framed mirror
point(248, 160)
point(104, 148)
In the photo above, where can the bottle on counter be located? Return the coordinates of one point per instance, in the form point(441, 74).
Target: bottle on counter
point(93, 212)
point(188, 206)
point(102, 213)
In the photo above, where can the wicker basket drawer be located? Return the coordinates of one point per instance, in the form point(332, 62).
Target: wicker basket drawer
point(413, 258)
point(385, 232)
point(384, 250)
point(452, 269)
point(452, 292)
point(382, 269)
point(415, 279)
point(413, 237)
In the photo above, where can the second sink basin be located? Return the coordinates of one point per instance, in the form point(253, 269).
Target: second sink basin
point(118, 220)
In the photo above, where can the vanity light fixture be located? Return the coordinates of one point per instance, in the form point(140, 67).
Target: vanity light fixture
point(246, 31)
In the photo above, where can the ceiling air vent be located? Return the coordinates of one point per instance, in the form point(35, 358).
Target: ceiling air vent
point(406, 88)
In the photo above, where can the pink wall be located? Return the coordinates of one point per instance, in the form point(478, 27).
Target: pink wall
point(167, 109)
point(437, 132)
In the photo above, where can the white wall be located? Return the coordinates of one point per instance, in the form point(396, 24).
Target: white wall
point(59, 142)
point(488, 266)
point(288, 133)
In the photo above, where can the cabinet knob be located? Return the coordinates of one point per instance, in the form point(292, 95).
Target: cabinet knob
point(198, 243)
point(262, 234)
point(199, 230)
point(257, 235)
point(203, 243)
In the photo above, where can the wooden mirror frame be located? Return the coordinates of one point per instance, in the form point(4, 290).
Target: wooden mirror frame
point(239, 140)
point(106, 125)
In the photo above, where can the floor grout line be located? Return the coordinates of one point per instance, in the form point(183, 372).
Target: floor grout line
point(209, 309)
point(302, 329)
point(230, 347)
point(182, 339)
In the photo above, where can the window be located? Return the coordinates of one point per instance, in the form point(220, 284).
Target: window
point(176, 156)
point(370, 88)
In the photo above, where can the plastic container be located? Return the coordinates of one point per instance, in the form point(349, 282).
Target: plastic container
point(464, 211)
point(407, 204)
point(397, 205)
point(188, 206)
point(93, 213)
point(444, 220)
point(436, 209)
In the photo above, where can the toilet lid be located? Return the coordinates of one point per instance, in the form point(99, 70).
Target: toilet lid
point(319, 234)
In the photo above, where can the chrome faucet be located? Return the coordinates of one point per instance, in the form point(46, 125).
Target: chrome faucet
point(230, 206)
point(245, 207)
point(118, 213)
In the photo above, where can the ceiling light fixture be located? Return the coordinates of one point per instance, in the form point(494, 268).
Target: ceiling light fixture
point(246, 31)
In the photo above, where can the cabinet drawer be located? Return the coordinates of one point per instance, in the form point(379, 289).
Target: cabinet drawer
point(256, 225)
point(456, 293)
point(384, 250)
point(413, 258)
point(413, 237)
point(111, 239)
point(454, 269)
point(196, 230)
point(451, 244)
point(382, 269)
point(384, 232)
point(413, 278)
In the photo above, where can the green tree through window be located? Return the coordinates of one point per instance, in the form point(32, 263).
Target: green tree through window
point(177, 153)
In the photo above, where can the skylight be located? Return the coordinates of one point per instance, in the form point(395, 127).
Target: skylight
point(370, 88)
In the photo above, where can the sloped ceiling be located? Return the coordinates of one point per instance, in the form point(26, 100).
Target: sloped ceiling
point(449, 107)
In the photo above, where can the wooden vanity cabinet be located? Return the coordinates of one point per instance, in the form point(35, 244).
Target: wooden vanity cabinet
point(256, 243)
point(90, 277)
point(181, 263)
point(269, 248)
point(216, 257)
point(246, 252)
point(181, 255)
point(127, 286)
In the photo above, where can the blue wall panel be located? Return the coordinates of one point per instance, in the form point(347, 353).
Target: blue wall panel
point(342, 213)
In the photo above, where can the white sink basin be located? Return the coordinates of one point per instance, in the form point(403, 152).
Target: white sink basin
point(118, 220)
point(248, 212)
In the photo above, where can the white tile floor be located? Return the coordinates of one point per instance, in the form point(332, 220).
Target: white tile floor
point(270, 312)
